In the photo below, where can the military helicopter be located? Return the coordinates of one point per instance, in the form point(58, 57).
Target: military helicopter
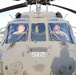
point(38, 43)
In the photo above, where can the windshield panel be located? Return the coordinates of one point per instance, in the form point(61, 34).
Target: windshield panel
point(38, 32)
point(18, 32)
point(59, 31)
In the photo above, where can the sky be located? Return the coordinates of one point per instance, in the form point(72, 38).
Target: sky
point(5, 16)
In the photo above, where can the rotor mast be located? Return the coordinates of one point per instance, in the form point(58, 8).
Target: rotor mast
point(38, 6)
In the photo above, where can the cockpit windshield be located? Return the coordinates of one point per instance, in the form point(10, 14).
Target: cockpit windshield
point(59, 31)
point(18, 32)
point(38, 32)
point(56, 32)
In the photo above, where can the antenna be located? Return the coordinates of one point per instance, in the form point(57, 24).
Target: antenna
point(38, 6)
point(11, 16)
point(73, 27)
point(30, 8)
point(65, 16)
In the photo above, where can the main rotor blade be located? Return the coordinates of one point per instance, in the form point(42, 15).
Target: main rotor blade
point(71, 10)
point(13, 7)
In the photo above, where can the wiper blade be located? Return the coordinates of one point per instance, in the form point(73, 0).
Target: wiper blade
point(25, 33)
point(20, 37)
point(54, 34)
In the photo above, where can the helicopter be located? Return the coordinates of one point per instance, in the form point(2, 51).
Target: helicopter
point(38, 43)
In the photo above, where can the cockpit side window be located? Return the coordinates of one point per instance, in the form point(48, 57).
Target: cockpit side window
point(59, 31)
point(38, 32)
point(18, 32)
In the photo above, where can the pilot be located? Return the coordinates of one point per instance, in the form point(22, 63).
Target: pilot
point(20, 29)
point(20, 33)
point(57, 30)
point(37, 29)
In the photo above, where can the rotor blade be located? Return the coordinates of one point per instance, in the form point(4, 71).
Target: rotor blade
point(73, 27)
point(73, 11)
point(13, 7)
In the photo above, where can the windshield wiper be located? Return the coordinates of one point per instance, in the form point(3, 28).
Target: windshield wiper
point(13, 43)
point(25, 33)
point(55, 35)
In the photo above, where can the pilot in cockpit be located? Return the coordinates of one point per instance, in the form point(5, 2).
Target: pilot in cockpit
point(20, 29)
point(58, 31)
point(20, 34)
